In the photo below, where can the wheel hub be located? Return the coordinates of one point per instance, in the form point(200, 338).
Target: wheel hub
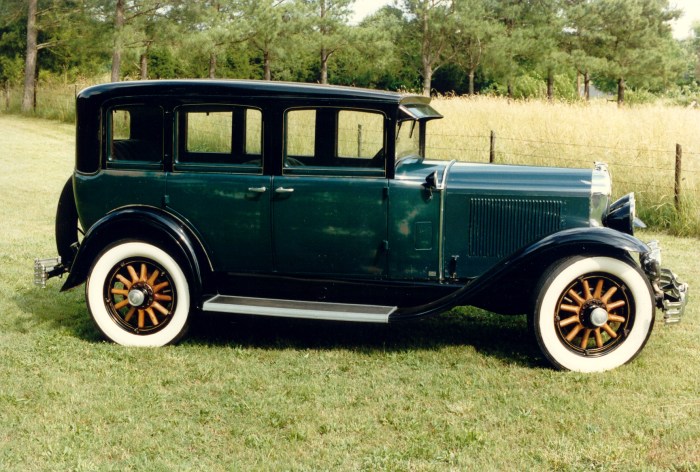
point(598, 317)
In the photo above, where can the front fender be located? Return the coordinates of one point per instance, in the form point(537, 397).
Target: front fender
point(507, 287)
point(144, 223)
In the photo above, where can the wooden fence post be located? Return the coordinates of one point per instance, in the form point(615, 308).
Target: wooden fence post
point(492, 147)
point(677, 186)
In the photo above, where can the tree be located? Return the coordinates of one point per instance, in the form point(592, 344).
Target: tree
point(637, 42)
point(327, 20)
point(432, 21)
point(270, 23)
point(474, 36)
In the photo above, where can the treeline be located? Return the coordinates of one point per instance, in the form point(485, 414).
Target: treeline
point(519, 48)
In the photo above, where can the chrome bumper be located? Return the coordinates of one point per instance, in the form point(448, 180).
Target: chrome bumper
point(44, 269)
point(671, 294)
point(675, 296)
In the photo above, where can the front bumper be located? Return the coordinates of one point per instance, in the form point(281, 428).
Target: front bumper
point(671, 294)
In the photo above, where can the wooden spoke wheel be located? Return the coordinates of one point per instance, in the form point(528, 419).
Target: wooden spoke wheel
point(138, 295)
point(592, 313)
point(595, 313)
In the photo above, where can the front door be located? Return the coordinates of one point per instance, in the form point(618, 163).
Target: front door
point(330, 204)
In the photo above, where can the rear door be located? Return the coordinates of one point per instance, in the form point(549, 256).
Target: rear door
point(218, 187)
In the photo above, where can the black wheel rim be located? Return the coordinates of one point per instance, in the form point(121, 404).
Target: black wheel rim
point(594, 314)
point(140, 296)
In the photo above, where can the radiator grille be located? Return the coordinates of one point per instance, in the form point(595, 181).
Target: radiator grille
point(500, 226)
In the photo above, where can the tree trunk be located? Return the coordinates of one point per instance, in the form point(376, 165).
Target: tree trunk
point(30, 63)
point(212, 65)
point(471, 82)
point(6, 89)
point(143, 65)
point(117, 51)
point(621, 92)
point(510, 90)
point(324, 66)
point(578, 84)
point(267, 73)
point(550, 87)
point(427, 79)
point(587, 85)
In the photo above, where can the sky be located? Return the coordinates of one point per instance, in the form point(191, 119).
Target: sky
point(681, 28)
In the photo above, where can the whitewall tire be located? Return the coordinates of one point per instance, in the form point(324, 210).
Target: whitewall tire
point(592, 314)
point(138, 295)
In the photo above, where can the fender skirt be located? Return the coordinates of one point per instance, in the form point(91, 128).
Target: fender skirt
point(507, 287)
point(149, 224)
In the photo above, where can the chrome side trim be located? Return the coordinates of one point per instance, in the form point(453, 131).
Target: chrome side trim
point(299, 309)
point(442, 185)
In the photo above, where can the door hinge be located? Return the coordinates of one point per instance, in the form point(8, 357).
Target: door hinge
point(166, 200)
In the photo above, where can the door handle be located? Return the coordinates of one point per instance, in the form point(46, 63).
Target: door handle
point(283, 190)
point(257, 189)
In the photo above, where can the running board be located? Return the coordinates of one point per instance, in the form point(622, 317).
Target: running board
point(299, 309)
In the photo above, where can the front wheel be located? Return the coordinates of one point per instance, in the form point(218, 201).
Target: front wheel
point(592, 314)
point(138, 295)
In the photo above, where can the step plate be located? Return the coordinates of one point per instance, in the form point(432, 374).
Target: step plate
point(299, 309)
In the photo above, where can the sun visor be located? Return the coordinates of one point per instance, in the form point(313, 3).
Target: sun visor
point(418, 111)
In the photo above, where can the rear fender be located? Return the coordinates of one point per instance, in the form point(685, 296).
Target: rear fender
point(507, 287)
point(141, 223)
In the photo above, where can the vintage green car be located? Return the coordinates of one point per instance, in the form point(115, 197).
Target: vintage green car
point(309, 201)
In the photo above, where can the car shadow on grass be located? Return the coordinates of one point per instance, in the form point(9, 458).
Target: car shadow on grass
point(503, 337)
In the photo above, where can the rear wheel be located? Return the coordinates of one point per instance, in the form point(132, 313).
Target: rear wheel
point(592, 314)
point(138, 295)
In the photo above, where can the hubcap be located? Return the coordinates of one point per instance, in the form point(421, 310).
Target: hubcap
point(140, 296)
point(594, 314)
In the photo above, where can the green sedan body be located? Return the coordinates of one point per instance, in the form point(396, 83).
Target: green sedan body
point(308, 201)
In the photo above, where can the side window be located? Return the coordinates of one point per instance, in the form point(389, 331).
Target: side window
point(135, 134)
point(220, 136)
point(329, 141)
point(361, 136)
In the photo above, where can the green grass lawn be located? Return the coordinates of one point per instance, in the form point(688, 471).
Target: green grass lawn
point(464, 391)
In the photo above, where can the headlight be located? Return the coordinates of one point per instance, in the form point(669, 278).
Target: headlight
point(621, 215)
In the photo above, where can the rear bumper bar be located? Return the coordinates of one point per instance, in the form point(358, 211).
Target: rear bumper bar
point(44, 269)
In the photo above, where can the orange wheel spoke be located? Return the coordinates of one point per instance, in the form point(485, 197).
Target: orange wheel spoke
point(160, 308)
point(587, 290)
point(609, 330)
point(598, 338)
point(584, 340)
point(163, 298)
point(119, 291)
point(571, 309)
point(142, 319)
point(611, 291)
point(568, 321)
point(615, 305)
point(577, 298)
point(127, 283)
point(617, 318)
point(152, 316)
point(598, 289)
point(121, 304)
point(160, 287)
point(133, 274)
point(144, 273)
point(152, 279)
point(129, 314)
point(574, 332)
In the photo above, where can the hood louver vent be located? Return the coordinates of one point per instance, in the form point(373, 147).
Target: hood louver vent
point(500, 226)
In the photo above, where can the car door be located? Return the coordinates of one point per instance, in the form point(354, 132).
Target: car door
point(330, 203)
point(217, 185)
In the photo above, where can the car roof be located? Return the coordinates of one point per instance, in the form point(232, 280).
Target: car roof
point(244, 88)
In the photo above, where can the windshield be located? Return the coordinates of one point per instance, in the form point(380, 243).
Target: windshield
point(407, 139)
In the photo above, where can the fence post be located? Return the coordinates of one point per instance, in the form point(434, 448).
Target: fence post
point(359, 140)
point(492, 147)
point(677, 186)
